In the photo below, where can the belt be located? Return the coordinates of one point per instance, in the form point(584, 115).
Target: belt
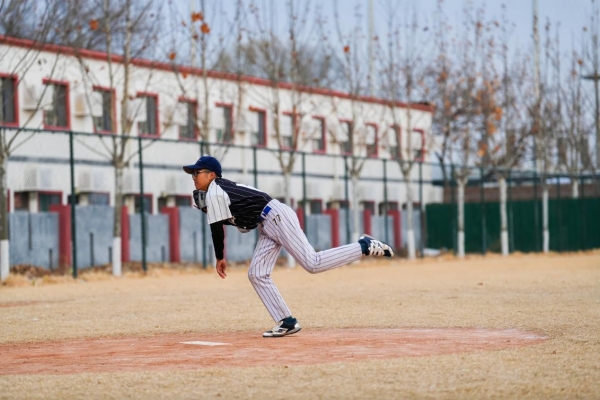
point(263, 214)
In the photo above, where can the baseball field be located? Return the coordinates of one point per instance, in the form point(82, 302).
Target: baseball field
point(525, 326)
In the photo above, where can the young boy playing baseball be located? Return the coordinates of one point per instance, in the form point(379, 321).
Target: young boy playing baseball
point(229, 203)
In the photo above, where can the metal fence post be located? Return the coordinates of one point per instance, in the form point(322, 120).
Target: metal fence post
point(582, 208)
point(454, 213)
point(559, 213)
point(536, 224)
point(347, 201)
point(422, 211)
point(73, 201)
point(385, 201)
point(143, 203)
point(511, 238)
point(482, 211)
point(304, 193)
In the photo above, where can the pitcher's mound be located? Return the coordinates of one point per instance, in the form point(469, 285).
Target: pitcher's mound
point(248, 349)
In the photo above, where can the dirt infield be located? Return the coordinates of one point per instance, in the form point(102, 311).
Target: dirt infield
point(177, 352)
point(423, 329)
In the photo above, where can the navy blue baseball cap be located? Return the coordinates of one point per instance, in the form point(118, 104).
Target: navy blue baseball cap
point(205, 162)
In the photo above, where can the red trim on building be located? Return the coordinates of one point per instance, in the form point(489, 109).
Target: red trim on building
point(156, 116)
point(367, 222)
point(335, 226)
point(67, 105)
point(300, 214)
point(396, 215)
point(64, 233)
point(125, 254)
point(114, 107)
point(174, 243)
point(15, 78)
point(265, 133)
point(169, 67)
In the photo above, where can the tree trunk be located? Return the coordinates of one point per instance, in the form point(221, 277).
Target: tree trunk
point(4, 243)
point(546, 231)
point(503, 217)
point(575, 188)
point(461, 217)
point(410, 233)
point(116, 250)
point(291, 263)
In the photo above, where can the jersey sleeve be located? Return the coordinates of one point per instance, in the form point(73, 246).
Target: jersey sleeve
point(217, 204)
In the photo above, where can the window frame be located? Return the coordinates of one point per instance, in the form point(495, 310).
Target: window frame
point(149, 196)
point(156, 115)
point(188, 101)
point(67, 105)
point(376, 144)
point(58, 193)
point(323, 134)
point(113, 100)
point(295, 127)
point(398, 130)
point(229, 106)
point(349, 123)
point(16, 112)
point(265, 133)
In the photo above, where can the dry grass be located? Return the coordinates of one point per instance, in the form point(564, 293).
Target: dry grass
point(554, 295)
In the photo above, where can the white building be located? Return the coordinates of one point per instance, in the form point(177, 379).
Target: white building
point(55, 89)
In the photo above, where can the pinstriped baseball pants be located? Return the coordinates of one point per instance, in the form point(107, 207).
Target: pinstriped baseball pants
point(281, 228)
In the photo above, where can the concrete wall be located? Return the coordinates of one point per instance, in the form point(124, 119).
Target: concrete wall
point(33, 239)
point(157, 238)
point(94, 235)
point(348, 215)
point(379, 231)
point(190, 236)
point(319, 231)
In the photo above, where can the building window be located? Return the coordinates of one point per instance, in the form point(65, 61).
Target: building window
point(371, 140)
point(287, 129)
point(393, 140)
point(183, 201)
point(95, 199)
point(45, 200)
point(188, 128)
point(147, 202)
point(320, 135)
point(225, 128)
point(8, 100)
point(57, 115)
point(104, 122)
point(345, 137)
point(149, 127)
point(259, 135)
point(418, 144)
point(384, 207)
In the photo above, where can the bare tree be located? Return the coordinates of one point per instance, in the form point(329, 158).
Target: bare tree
point(402, 80)
point(38, 29)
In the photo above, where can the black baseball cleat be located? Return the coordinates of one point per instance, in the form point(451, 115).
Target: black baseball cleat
point(283, 330)
point(373, 247)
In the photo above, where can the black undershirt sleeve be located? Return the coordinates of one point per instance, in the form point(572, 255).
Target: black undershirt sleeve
point(218, 237)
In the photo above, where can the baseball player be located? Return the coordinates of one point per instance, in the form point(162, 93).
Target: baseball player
point(230, 203)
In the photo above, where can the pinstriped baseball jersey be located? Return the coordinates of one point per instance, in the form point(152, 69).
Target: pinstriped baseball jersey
point(240, 205)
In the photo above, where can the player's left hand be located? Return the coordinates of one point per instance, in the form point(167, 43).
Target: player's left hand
point(221, 267)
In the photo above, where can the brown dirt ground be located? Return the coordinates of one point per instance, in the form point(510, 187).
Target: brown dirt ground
point(436, 329)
